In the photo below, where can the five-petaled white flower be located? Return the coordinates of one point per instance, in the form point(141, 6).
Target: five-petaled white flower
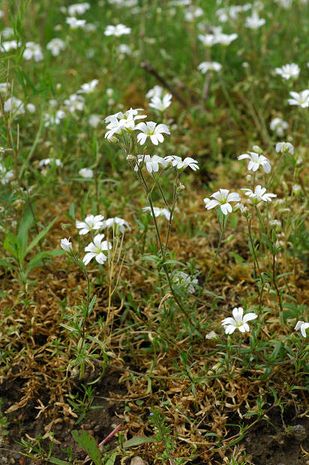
point(151, 130)
point(238, 321)
point(90, 223)
point(285, 147)
point(96, 250)
point(206, 66)
point(33, 51)
point(86, 173)
point(289, 71)
point(259, 194)
point(279, 126)
point(179, 163)
point(88, 87)
point(300, 99)
point(152, 163)
point(55, 46)
point(66, 245)
point(255, 161)
point(222, 198)
point(302, 326)
point(120, 122)
point(117, 31)
point(159, 212)
point(75, 23)
point(254, 21)
point(117, 223)
point(161, 103)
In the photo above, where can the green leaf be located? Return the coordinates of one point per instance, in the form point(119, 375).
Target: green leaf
point(138, 440)
point(88, 444)
point(23, 232)
point(40, 236)
point(58, 461)
point(111, 459)
point(39, 258)
point(10, 244)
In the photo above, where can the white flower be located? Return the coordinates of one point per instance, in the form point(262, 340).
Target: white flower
point(31, 108)
point(255, 161)
point(117, 31)
point(193, 12)
point(121, 224)
point(151, 130)
point(238, 321)
point(279, 126)
point(74, 103)
point(55, 46)
point(206, 66)
point(78, 8)
point(217, 37)
point(53, 119)
point(94, 120)
point(86, 173)
point(5, 174)
point(179, 163)
point(15, 106)
point(259, 194)
point(66, 245)
point(156, 91)
point(75, 23)
point(90, 223)
point(50, 162)
point(254, 21)
point(285, 147)
point(4, 87)
point(185, 280)
point(300, 99)
point(124, 49)
point(152, 163)
point(7, 32)
point(159, 212)
point(33, 51)
point(302, 326)
point(285, 3)
point(161, 103)
point(88, 87)
point(120, 122)
point(9, 45)
point(289, 71)
point(96, 250)
point(222, 198)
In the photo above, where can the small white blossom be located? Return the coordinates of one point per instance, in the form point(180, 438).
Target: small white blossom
point(74, 103)
point(151, 130)
point(4, 87)
point(156, 91)
point(55, 46)
point(289, 71)
point(94, 120)
point(121, 224)
point(5, 175)
point(285, 147)
point(259, 194)
point(161, 103)
point(33, 51)
point(222, 198)
point(206, 66)
point(31, 108)
point(302, 327)
point(159, 212)
point(238, 321)
point(179, 163)
point(279, 126)
point(53, 119)
point(50, 162)
point(152, 163)
point(120, 122)
point(255, 161)
point(90, 223)
point(117, 31)
point(66, 245)
point(9, 45)
point(77, 9)
point(14, 106)
point(88, 87)
point(86, 173)
point(96, 250)
point(75, 23)
point(254, 21)
point(300, 99)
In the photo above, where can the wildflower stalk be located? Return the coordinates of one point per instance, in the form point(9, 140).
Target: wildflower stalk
point(163, 251)
point(223, 225)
